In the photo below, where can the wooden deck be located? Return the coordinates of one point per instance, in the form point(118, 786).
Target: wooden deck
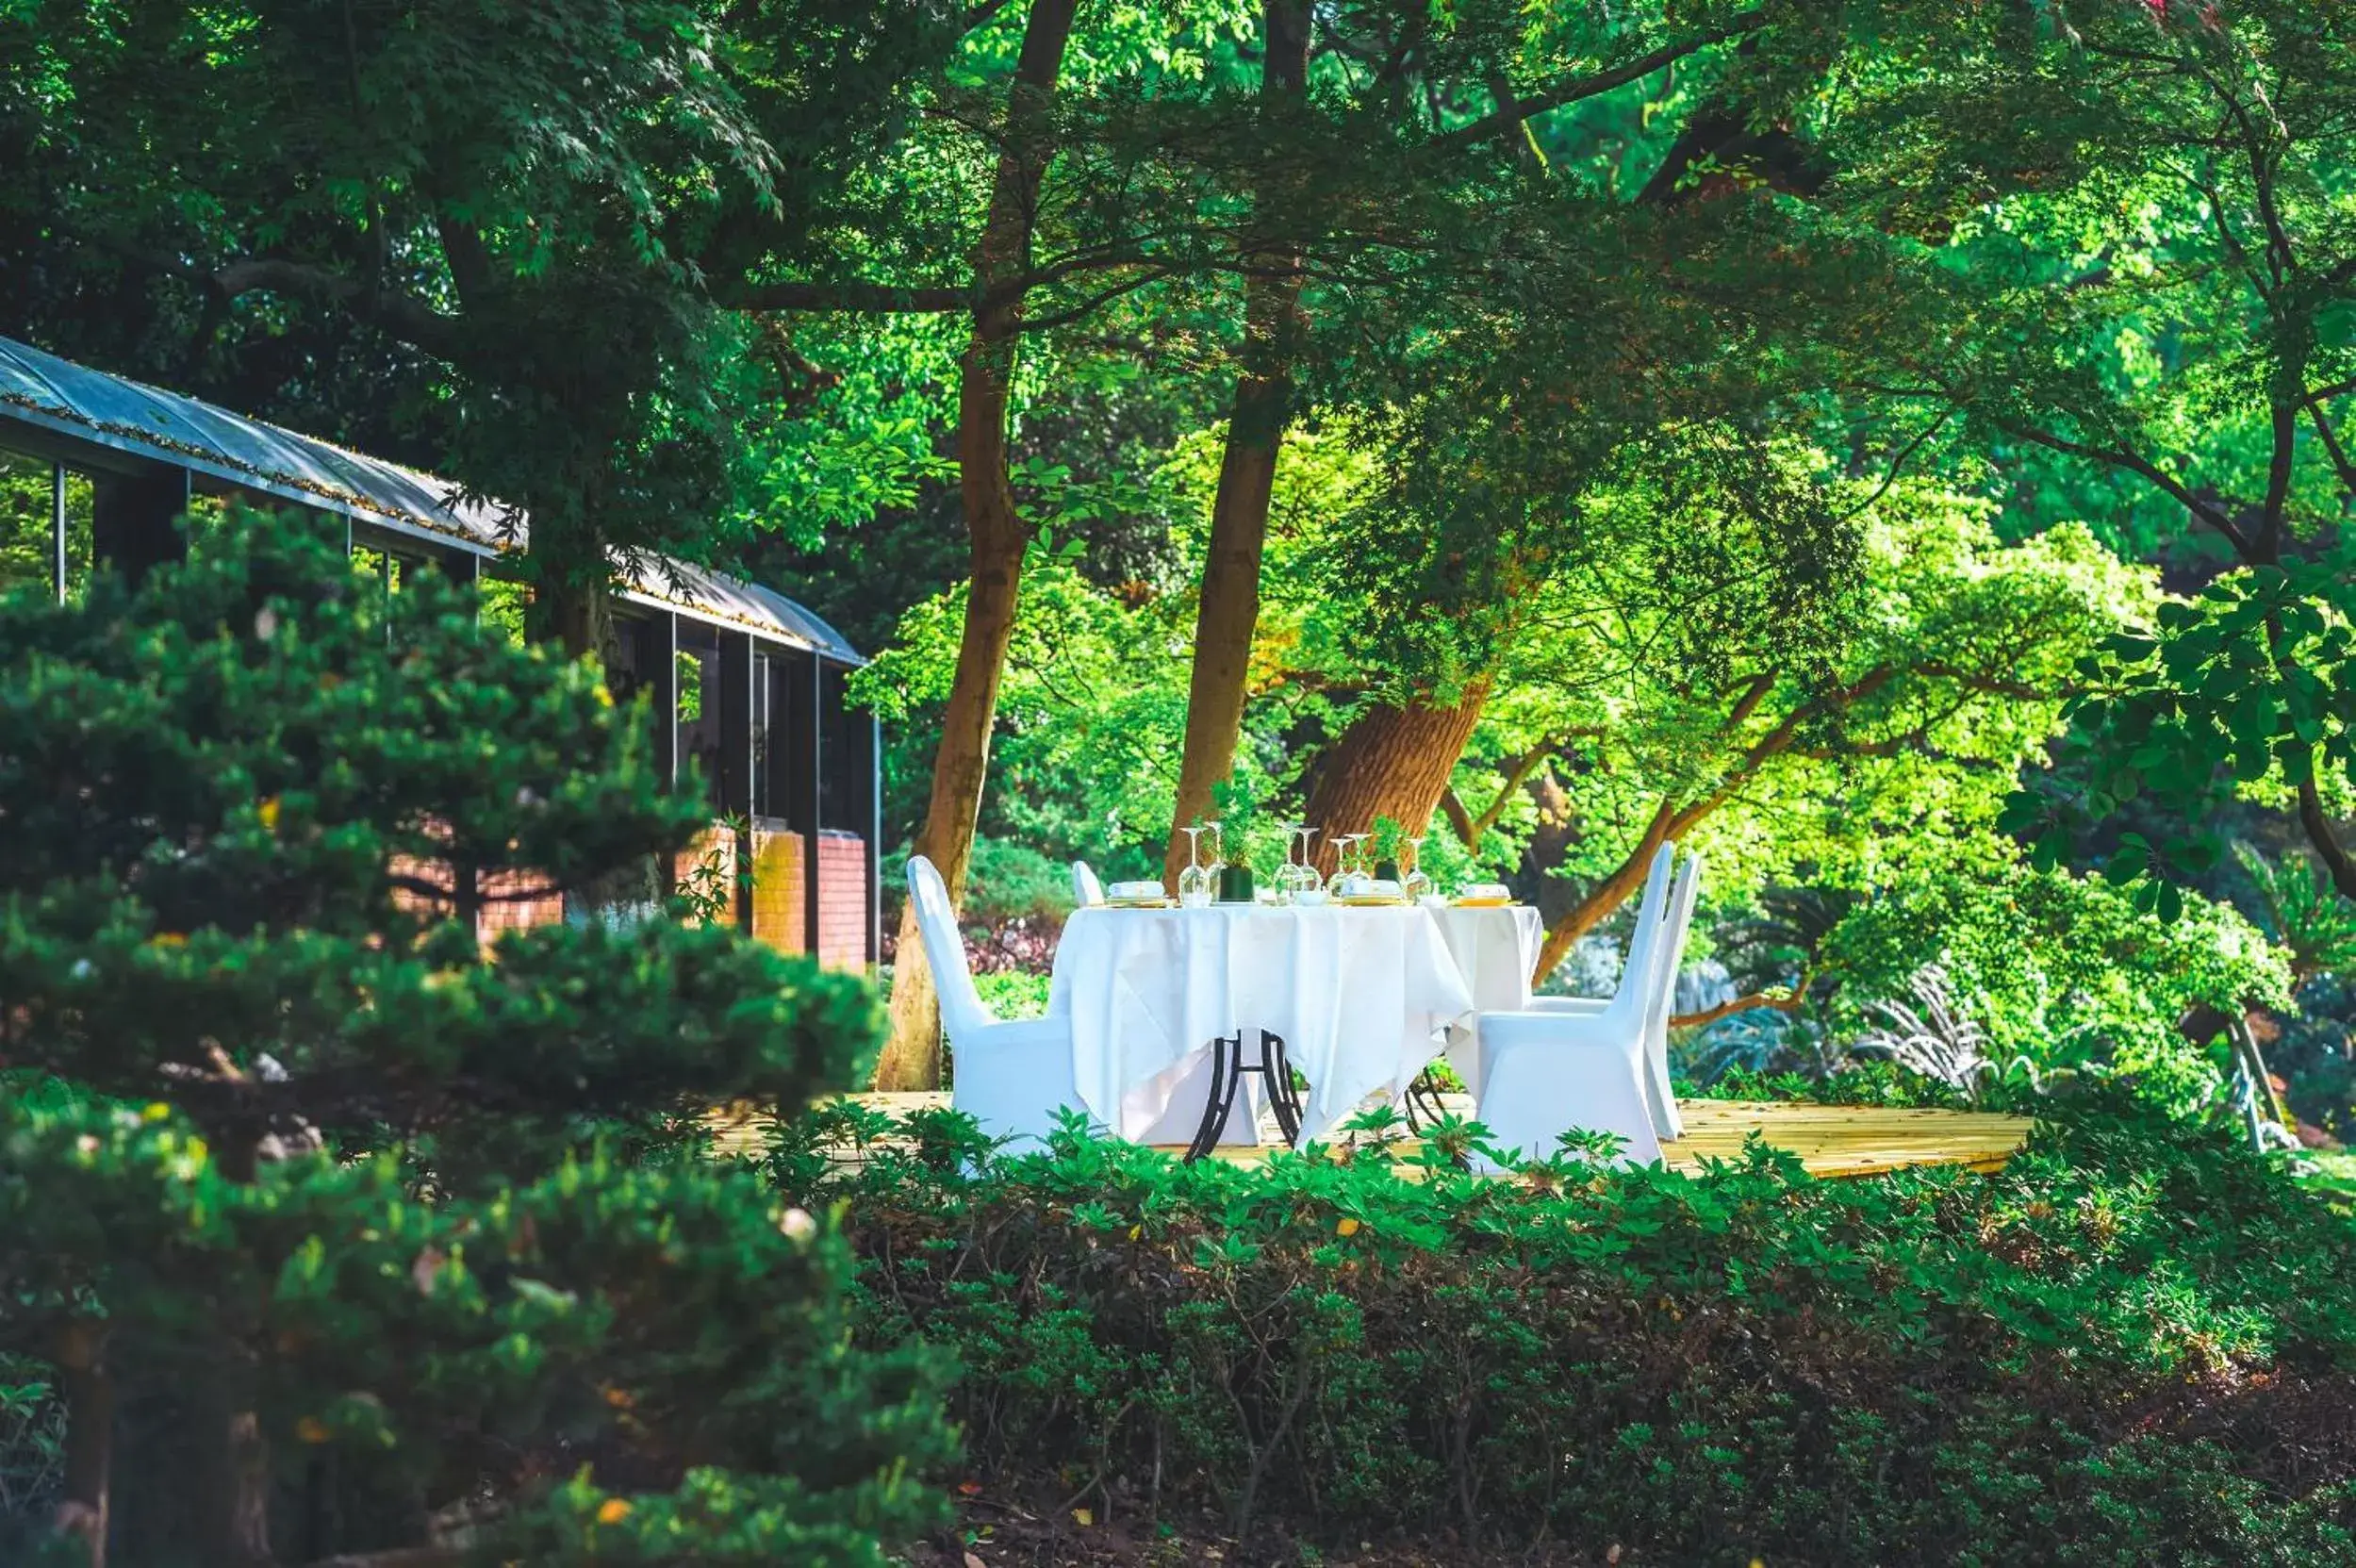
point(1830, 1139)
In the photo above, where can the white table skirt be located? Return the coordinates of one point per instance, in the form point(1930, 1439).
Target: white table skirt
point(1497, 950)
point(1363, 998)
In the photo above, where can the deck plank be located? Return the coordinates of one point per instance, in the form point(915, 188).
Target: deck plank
point(1830, 1139)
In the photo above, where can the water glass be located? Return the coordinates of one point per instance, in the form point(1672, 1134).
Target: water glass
point(1304, 874)
point(1197, 882)
point(1413, 884)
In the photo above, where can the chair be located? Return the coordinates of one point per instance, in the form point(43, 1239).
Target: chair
point(1422, 1104)
point(1658, 1092)
point(1659, 1096)
point(1466, 1056)
point(1229, 1066)
point(1549, 1069)
point(1205, 1102)
point(1012, 1078)
point(1087, 891)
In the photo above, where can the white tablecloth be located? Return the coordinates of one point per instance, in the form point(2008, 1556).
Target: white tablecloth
point(1363, 998)
point(1497, 950)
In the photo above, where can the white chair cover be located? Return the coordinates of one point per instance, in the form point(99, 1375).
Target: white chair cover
point(1013, 1078)
point(1660, 1097)
point(1086, 890)
point(1558, 1066)
point(962, 1012)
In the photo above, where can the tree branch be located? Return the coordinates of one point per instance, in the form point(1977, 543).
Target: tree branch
point(1786, 1002)
point(1514, 111)
point(1518, 771)
point(1103, 297)
point(1754, 694)
point(2331, 446)
point(1670, 819)
point(404, 316)
point(1993, 686)
point(2327, 841)
point(870, 299)
point(1452, 807)
point(2121, 457)
point(1897, 464)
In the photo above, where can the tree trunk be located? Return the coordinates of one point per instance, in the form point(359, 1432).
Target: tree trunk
point(1230, 611)
point(1391, 761)
point(574, 619)
point(245, 1537)
point(571, 600)
point(89, 1392)
point(995, 531)
point(235, 1499)
point(911, 1055)
point(1609, 893)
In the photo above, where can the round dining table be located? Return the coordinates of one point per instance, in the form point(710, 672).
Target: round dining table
point(1362, 996)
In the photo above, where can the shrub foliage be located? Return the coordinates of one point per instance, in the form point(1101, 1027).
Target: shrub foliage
point(2132, 1334)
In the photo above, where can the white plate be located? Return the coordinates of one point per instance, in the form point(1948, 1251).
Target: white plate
point(1130, 892)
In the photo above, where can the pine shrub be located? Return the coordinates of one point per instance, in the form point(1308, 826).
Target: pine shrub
point(341, 1230)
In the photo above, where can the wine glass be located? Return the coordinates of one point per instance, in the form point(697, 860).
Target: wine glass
point(1413, 884)
point(1305, 876)
point(1194, 882)
point(1218, 859)
point(1285, 885)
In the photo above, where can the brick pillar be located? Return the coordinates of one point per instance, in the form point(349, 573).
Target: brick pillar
point(777, 888)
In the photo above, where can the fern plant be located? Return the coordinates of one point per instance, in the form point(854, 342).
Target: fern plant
point(2304, 912)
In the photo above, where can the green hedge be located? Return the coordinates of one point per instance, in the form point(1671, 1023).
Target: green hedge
point(2136, 1340)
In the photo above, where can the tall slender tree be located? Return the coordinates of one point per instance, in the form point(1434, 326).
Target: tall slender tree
point(1438, 111)
point(297, 1166)
point(996, 530)
point(1262, 408)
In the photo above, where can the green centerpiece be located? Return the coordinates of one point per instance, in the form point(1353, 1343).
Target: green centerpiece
point(1235, 884)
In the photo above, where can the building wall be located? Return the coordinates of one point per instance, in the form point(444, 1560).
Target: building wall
point(513, 902)
point(510, 902)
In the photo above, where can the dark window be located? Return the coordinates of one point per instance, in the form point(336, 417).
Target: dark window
point(781, 737)
point(849, 753)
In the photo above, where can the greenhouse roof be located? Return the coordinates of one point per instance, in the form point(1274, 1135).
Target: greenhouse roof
point(82, 404)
